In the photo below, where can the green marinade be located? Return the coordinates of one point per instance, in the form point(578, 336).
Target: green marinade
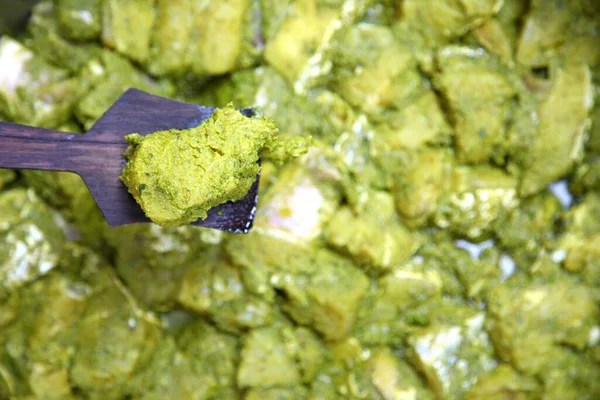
point(413, 251)
point(177, 176)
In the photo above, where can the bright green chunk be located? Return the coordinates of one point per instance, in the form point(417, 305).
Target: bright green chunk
point(479, 94)
point(47, 37)
point(114, 338)
point(31, 238)
point(418, 181)
point(217, 290)
point(177, 176)
point(555, 144)
point(216, 36)
point(387, 76)
point(302, 29)
point(266, 361)
point(529, 323)
point(311, 281)
point(374, 237)
point(127, 27)
point(79, 19)
point(394, 378)
point(169, 42)
point(528, 226)
point(146, 253)
point(478, 197)
point(32, 91)
point(442, 20)
point(553, 27)
point(66, 191)
point(453, 356)
point(199, 364)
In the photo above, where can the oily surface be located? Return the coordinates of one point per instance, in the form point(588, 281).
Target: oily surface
point(439, 240)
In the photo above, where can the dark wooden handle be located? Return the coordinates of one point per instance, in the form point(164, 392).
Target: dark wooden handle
point(26, 147)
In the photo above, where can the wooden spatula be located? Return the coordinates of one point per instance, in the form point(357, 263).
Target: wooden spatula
point(97, 156)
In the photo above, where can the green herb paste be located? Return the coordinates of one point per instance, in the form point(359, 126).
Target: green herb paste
point(177, 176)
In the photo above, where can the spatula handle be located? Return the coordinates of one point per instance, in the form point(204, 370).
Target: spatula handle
point(26, 147)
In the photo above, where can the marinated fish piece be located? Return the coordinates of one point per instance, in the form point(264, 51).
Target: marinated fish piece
point(31, 235)
point(79, 19)
point(530, 227)
point(373, 237)
point(215, 41)
point(146, 253)
point(528, 323)
point(387, 86)
point(45, 345)
point(553, 31)
point(478, 196)
point(219, 351)
point(265, 361)
point(170, 38)
point(197, 363)
point(394, 378)
point(120, 32)
point(452, 357)
point(32, 91)
point(443, 20)
point(387, 77)
point(412, 126)
point(430, 24)
point(405, 299)
point(46, 39)
point(347, 373)
point(113, 340)
point(312, 281)
point(67, 192)
point(298, 205)
point(172, 374)
point(216, 289)
point(480, 96)
point(298, 36)
point(419, 179)
point(560, 126)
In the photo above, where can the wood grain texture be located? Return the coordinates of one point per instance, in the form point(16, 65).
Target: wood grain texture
point(97, 156)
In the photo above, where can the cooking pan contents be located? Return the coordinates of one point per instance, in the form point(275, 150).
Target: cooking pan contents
point(438, 240)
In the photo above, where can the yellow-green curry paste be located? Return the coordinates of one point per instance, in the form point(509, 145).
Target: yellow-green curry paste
point(439, 240)
point(177, 176)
